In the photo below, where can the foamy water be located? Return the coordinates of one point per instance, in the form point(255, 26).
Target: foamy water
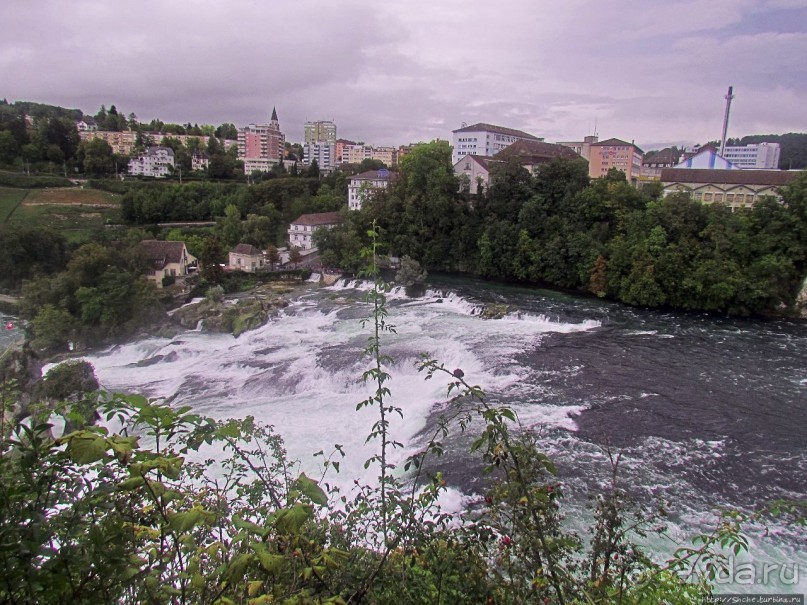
point(301, 373)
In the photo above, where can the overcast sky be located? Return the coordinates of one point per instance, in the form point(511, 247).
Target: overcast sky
point(390, 73)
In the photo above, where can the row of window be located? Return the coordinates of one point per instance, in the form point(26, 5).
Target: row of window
point(737, 198)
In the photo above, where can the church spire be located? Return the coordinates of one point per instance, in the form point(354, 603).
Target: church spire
point(274, 115)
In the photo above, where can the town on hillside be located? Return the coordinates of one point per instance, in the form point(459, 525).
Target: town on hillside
point(294, 194)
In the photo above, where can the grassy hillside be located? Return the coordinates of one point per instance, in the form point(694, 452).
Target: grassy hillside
point(9, 200)
point(74, 212)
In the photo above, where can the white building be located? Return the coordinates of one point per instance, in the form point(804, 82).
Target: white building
point(363, 185)
point(473, 172)
point(760, 156)
point(301, 231)
point(155, 162)
point(199, 161)
point(485, 140)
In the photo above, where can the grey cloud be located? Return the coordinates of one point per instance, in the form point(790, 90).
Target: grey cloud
point(395, 72)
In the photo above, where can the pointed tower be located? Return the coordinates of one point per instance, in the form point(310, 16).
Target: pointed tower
point(274, 121)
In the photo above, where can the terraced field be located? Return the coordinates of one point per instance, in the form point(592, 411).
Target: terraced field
point(75, 212)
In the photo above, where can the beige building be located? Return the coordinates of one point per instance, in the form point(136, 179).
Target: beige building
point(122, 143)
point(615, 153)
point(246, 257)
point(734, 188)
point(581, 148)
point(166, 259)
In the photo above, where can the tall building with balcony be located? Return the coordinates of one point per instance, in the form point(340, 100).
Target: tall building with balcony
point(320, 145)
point(261, 146)
point(323, 130)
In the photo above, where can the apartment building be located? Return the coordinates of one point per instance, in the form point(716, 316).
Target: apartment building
point(615, 153)
point(757, 156)
point(485, 140)
point(155, 162)
point(261, 146)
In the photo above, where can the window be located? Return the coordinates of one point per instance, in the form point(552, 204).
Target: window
point(718, 197)
point(707, 197)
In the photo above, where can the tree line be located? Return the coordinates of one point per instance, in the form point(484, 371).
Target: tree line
point(559, 228)
point(44, 138)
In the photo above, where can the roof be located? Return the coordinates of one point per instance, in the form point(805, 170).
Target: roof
point(322, 218)
point(708, 158)
point(274, 115)
point(161, 253)
point(373, 175)
point(482, 160)
point(156, 150)
point(619, 142)
point(775, 178)
point(497, 129)
point(246, 250)
point(536, 152)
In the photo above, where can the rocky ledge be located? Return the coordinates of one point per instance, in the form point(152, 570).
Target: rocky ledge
point(231, 316)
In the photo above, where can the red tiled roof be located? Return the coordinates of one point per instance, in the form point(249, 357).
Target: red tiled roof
point(247, 250)
point(535, 152)
point(619, 142)
point(776, 178)
point(482, 160)
point(160, 253)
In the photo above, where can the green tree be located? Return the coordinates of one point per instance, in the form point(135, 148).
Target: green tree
point(52, 328)
point(294, 256)
point(229, 227)
point(96, 158)
point(258, 231)
point(210, 257)
point(313, 169)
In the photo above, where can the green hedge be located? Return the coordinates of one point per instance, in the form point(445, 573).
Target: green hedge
point(15, 179)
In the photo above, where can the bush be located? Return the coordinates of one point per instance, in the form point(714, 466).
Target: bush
point(215, 294)
point(70, 379)
point(23, 181)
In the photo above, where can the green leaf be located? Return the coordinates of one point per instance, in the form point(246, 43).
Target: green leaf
point(185, 521)
point(290, 520)
point(312, 490)
point(131, 483)
point(249, 526)
point(86, 447)
point(271, 562)
point(237, 567)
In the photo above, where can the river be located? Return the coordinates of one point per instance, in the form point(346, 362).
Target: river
point(706, 412)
